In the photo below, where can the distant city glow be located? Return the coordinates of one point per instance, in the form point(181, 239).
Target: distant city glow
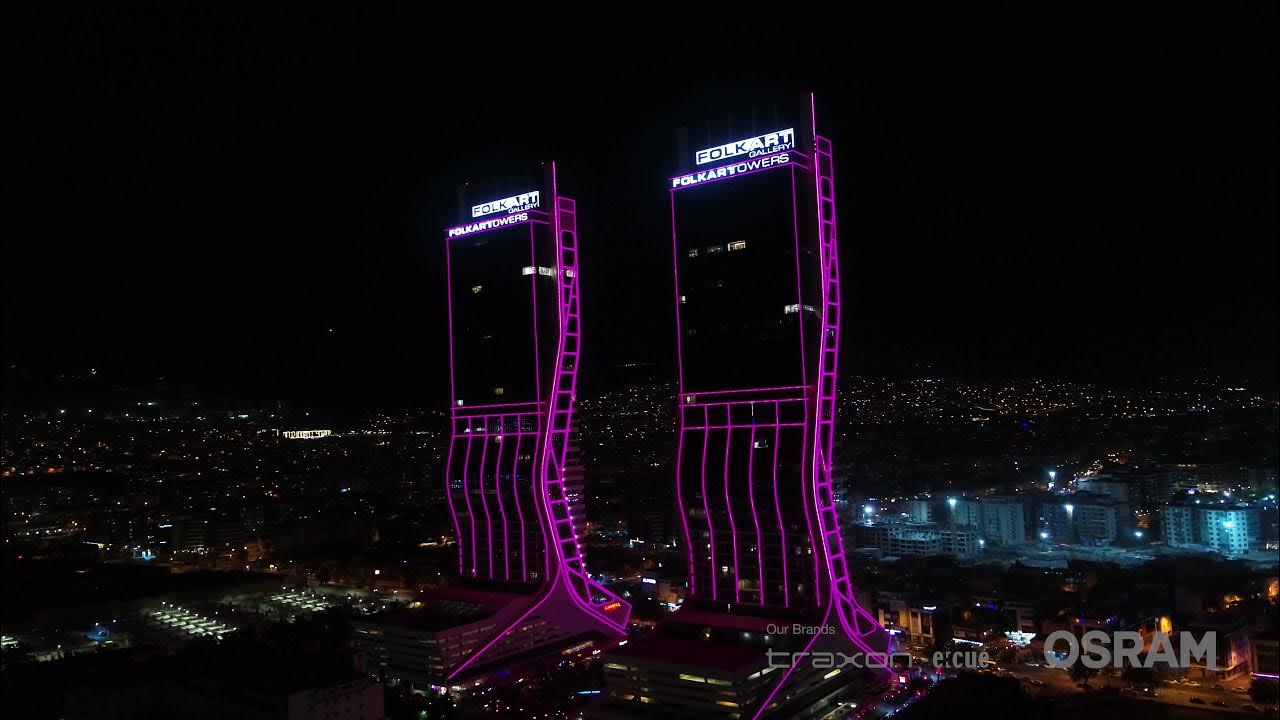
point(306, 434)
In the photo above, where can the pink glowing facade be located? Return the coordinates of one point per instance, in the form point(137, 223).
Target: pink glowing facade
point(512, 490)
point(758, 319)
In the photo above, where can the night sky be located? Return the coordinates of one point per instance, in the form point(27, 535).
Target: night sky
point(253, 201)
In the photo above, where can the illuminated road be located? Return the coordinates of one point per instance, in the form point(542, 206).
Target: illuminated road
point(1057, 682)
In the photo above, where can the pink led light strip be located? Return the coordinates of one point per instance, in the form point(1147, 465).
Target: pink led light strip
point(861, 627)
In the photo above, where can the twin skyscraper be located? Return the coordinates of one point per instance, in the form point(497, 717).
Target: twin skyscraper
point(757, 296)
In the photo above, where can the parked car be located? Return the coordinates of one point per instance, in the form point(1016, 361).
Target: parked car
point(1196, 701)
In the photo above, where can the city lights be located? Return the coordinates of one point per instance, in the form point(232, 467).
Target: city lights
point(333, 401)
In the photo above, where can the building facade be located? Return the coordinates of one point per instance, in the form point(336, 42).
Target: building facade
point(1228, 530)
point(757, 299)
point(513, 484)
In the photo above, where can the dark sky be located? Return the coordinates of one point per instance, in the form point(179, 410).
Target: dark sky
point(253, 200)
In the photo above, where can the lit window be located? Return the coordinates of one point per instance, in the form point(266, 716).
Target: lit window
point(737, 245)
point(475, 289)
point(498, 391)
point(693, 252)
point(715, 249)
point(527, 270)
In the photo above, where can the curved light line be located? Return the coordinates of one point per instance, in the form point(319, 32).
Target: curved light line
point(755, 518)
point(484, 502)
point(777, 504)
point(502, 510)
point(684, 515)
point(728, 509)
point(466, 495)
point(515, 492)
point(711, 534)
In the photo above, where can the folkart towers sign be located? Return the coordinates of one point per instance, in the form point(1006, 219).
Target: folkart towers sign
point(750, 147)
point(488, 224)
point(724, 171)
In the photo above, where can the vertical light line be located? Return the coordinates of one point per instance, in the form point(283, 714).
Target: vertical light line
point(822, 440)
point(675, 271)
point(453, 401)
point(484, 501)
point(515, 492)
point(813, 120)
point(728, 507)
point(684, 516)
point(680, 420)
point(448, 281)
point(547, 521)
point(536, 484)
point(777, 504)
point(466, 495)
point(706, 508)
point(808, 487)
point(751, 495)
point(795, 225)
point(533, 291)
point(502, 510)
point(448, 487)
point(817, 450)
point(558, 364)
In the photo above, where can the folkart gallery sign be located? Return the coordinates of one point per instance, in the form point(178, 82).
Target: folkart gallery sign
point(765, 144)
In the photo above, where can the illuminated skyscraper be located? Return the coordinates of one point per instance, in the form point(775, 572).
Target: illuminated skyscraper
point(757, 295)
point(513, 488)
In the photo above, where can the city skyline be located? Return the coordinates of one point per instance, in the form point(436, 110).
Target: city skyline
point(389, 366)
